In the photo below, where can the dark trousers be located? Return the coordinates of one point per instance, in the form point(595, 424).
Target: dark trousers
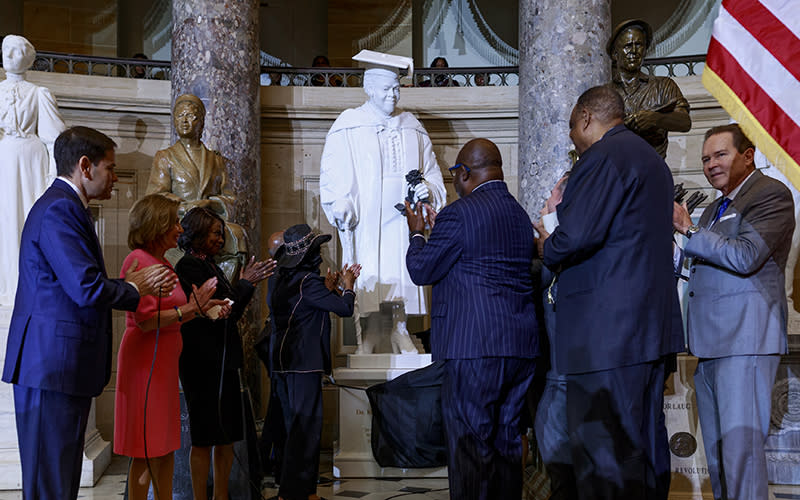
point(273, 436)
point(618, 436)
point(300, 395)
point(482, 400)
point(50, 427)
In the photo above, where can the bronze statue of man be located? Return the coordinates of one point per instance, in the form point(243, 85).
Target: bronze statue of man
point(654, 105)
point(196, 176)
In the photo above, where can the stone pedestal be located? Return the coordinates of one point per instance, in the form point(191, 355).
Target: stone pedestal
point(689, 469)
point(688, 459)
point(783, 442)
point(352, 456)
point(96, 452)
point(10, 475)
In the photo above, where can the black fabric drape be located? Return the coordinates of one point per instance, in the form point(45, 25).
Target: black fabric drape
point(407, 428)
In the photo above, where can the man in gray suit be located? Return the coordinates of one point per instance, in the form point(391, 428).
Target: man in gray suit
point(737, 309)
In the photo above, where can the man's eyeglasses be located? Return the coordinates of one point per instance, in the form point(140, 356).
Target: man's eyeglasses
point(455, 167)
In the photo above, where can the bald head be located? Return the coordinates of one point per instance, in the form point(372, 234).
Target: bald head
point(479, 154)
point(275, 242)
point(483, 163)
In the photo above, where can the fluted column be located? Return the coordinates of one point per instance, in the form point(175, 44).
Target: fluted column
point(562, 53)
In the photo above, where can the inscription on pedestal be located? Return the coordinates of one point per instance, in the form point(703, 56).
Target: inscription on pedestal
point(783, 442)
point(688, 462)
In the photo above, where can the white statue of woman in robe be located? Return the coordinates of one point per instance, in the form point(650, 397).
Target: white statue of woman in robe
point(29, 125)
point(369, 152)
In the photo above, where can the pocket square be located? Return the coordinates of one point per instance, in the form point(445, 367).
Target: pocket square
point(726, 217)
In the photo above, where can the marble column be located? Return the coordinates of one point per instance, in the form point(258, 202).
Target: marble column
point(562, 53)
point(215, 56)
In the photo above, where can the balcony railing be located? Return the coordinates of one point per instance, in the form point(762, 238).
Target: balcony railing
point(334, 77)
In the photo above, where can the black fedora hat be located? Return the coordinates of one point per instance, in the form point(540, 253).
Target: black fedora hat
point(298, 240)
point(630, 23)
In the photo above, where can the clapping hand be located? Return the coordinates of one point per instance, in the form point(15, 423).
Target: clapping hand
point(349, 275)
point(201, 300)
point(332, 280)
point(543, 235)
point(414, 217)
point(430, 215)
point(254, 271)
point(151, 280)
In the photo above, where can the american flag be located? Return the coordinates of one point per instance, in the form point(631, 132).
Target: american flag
point(753, 70)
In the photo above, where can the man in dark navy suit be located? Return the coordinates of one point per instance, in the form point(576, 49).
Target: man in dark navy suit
point(617, 313)
point(58, 354)
point(483, 323)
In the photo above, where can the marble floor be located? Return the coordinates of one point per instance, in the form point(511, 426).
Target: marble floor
point(112, 486)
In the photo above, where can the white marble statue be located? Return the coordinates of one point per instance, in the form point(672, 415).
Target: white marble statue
point(368, 152)
point(29, 125)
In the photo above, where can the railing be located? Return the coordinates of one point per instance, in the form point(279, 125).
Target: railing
point(335, 77)
point(56, 62)
point(427, 77)
point(675, 66)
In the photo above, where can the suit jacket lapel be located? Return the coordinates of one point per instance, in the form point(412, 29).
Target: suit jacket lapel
point(711, 211)
point(742, 195)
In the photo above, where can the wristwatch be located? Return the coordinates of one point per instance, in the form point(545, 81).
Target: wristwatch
point(691, 230)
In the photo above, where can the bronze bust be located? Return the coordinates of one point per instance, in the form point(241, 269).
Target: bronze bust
point(654, 105)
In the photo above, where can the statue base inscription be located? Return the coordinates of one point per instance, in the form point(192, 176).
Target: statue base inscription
point(687, 457)
point(783, 442)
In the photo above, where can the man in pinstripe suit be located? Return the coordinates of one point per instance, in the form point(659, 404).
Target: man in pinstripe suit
point(617, 314)
point(478, 259)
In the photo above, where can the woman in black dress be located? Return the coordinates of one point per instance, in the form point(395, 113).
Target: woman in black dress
point(212, 351)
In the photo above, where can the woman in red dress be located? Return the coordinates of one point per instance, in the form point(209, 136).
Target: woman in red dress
point(147, 364)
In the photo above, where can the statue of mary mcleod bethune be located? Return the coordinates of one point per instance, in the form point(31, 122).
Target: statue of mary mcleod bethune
point(376, 156)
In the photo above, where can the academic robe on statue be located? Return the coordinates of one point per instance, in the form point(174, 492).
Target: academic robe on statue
point(364, 165)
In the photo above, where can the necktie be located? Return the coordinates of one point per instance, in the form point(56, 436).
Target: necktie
point(721, 209)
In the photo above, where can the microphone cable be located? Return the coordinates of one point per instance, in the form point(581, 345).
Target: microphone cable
point(225, 435)
point(146, 397)
point(226, 329)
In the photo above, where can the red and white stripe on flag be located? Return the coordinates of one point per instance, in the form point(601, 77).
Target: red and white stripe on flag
point(753, 70)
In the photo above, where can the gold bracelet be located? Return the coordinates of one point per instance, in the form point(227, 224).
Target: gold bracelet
point(180, 314)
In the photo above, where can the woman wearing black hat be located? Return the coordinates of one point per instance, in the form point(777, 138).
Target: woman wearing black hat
point(300, 304)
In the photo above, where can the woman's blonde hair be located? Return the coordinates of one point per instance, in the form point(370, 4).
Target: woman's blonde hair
point(150, 218)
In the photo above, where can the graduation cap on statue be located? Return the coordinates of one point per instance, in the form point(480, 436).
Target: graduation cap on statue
point(387, 64)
